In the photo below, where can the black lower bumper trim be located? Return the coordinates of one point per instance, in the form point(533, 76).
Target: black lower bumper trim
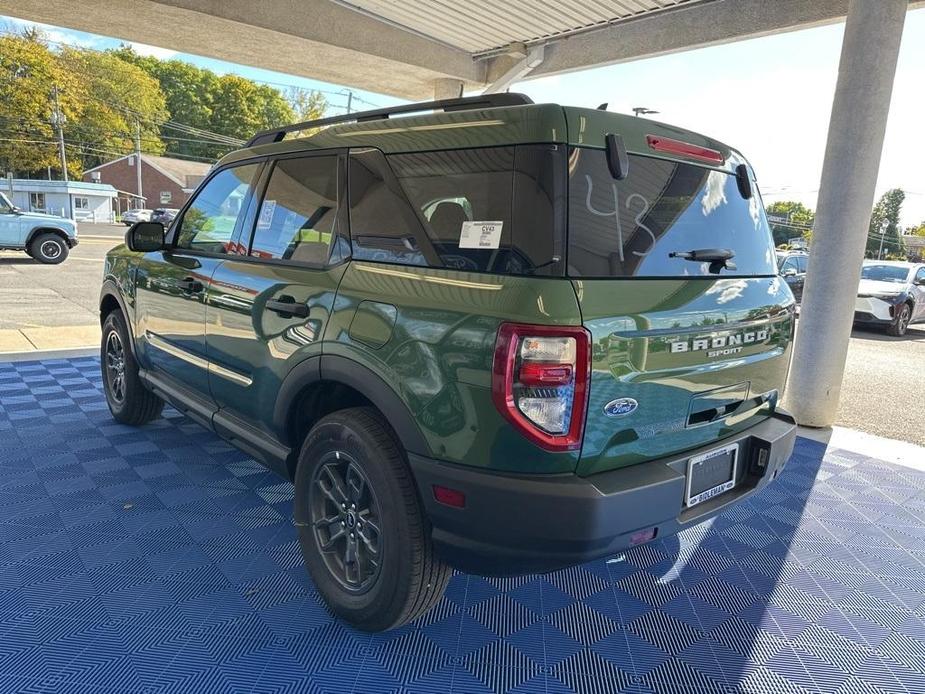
point(520, 524)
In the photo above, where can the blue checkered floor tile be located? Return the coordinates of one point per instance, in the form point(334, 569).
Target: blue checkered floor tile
point(162, 560)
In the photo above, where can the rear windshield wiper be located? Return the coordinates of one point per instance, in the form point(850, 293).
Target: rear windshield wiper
point(719, 258)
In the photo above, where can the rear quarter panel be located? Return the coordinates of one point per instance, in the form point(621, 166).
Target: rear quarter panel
point(435, 350)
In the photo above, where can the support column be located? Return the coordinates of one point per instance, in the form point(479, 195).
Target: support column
point(447, 88)
point(846, 194)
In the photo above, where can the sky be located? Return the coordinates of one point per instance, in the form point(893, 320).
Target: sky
point(768, 97)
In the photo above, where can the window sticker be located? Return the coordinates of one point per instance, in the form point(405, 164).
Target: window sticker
point(480, 235)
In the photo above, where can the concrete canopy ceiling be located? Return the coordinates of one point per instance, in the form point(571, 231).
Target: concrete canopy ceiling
point(409, 48)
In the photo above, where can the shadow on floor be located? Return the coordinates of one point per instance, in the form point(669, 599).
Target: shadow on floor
point(162, 560)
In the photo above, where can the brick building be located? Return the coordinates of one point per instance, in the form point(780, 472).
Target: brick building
point(165, 182)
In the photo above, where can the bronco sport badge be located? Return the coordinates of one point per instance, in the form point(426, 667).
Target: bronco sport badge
point(722, 345)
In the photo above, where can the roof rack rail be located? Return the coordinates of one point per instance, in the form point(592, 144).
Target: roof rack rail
point(461, 104)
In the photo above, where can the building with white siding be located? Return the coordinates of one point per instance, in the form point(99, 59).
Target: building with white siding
point(77, 200)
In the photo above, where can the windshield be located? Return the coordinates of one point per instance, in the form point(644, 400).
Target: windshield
point(631, 227)
point(885, 273)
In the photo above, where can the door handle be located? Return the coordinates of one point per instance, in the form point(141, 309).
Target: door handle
point(287, 307)
point(188, 284)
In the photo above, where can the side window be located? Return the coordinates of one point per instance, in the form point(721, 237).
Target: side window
point(490, 209)
point(297, 216)
point(920, 275)
point(209, 223)
point(789, 264)
point(383, 226)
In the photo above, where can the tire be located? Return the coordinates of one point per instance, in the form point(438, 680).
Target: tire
point(128, 399)
point(901, 321)
point(393, 575)
point(49, 249)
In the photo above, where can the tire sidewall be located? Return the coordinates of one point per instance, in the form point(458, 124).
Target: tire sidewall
point(898, 329)
point(115, 323)
point(39, 243)
point(330, 434)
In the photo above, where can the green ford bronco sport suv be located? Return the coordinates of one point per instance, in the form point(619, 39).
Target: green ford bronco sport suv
point(493, 335)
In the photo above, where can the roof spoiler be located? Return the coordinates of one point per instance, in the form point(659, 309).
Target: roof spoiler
point(461, 104)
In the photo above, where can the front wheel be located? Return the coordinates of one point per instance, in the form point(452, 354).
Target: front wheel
point(128, 399)
point(900, 321)
point(49, 249)
point(363, 533)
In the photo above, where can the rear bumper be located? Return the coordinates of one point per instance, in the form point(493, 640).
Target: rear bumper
point(519, 524)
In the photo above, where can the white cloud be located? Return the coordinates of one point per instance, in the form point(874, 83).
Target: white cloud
point(55, 35)
point(155, 51)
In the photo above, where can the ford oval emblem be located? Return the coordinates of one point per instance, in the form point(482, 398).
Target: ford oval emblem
point(620, 407)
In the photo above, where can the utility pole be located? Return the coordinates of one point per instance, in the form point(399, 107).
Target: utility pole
point(138, 161)
point(349, 100)
point(57, 120)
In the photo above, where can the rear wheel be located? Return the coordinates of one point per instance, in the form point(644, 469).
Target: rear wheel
point(128, 399)
point(363, 533)
point(48, 248)
point(900, 321)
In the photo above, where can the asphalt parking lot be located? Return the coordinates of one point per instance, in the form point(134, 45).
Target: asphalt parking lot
point(45, 304)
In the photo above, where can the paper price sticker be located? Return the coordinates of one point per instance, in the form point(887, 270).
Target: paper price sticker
point(480, 235)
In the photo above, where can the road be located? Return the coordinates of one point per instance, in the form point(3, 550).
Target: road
point(882, 393)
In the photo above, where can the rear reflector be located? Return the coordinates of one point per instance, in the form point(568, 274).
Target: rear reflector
point(666, 144)
point(643, 536)
point(449, 497)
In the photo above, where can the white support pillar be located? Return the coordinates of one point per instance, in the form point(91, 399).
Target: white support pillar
point(447, 88)
point(846, 194)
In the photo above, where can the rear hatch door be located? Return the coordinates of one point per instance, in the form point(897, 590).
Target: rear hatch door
point(685, 352)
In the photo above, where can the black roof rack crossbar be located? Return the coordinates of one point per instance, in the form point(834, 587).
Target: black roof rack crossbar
point(461, 104)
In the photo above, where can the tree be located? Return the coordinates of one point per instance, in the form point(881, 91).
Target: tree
point(242, 107)
point(188, 91)
point(884, 226)
point(29, 71)
point(116, 97)
point(917, 230)
point(226, 104)
point(800, 223)
point(307, 104)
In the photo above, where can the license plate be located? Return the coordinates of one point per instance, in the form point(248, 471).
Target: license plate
point(711, 474)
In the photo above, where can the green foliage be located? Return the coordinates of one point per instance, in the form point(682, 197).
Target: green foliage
point(103, 94)
point(114, 92)
point(884, 225)
point(801, 221)
point(225, 104)
point(917, 230)
point(28, 74)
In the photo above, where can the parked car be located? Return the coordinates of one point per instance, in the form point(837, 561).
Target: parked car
point(45, 237)
point(891, 295)
point(129, 217)
point(792, 267)
point(164, 215)
point(387, 318)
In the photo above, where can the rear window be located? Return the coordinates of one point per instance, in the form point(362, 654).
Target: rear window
point(492, 209)
point(628, 228)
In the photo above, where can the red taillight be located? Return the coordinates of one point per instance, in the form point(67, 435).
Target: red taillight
point(540, 382)
point(539, 374)
point(666, 144)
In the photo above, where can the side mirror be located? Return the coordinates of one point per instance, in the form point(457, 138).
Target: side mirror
point(145, 237)
point(789, 272)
